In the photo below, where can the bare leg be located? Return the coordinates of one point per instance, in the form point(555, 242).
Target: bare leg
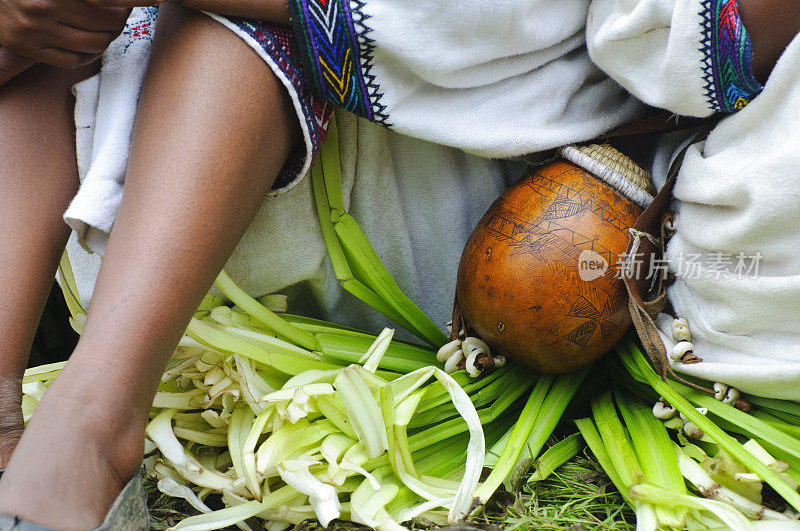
point(213, 129)
point(38, 177)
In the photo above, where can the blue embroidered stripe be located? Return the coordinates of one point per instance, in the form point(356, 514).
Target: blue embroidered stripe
point(728, 51)
point(337, 54)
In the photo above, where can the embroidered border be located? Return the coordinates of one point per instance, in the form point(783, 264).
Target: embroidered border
point(727, 51)
point(277, 41)
point(338, 54)
point(140, 25)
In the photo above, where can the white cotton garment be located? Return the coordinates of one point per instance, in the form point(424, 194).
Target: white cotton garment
point(498, 79)
point(105, 108)
point(736, 252)
point(654, 49)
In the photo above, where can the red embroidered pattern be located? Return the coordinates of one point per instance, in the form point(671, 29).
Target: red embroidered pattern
point(140, 27)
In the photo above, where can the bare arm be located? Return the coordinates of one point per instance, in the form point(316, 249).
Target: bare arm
point(772, 25)
point(275, 11)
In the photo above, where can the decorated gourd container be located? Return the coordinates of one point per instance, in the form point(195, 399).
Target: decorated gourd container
point(539, 278)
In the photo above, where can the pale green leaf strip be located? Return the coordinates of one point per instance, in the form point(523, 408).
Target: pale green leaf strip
point(362, 410)
point(283, 360)
point(335, 251)
point(659, 496)
point(519, 437)
point(241, 420)
point(615, 439)
point(43, 373)
point(476, 448)
point(268, 318)
point(372, 357)
point(232, 515)
point(557, 455)
point(595, 443)
point(68, 286)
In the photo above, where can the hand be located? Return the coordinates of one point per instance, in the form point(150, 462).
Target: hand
point(61, 33)
point(11, 65)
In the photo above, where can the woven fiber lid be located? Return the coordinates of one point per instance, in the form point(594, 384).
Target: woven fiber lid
point(614, 168)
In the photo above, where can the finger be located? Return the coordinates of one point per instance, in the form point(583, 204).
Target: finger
point(90, 17)
point(12, 65)
point(77, 40)
point(65, 58)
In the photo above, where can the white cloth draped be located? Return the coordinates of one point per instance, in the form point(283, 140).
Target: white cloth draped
point(737, 195)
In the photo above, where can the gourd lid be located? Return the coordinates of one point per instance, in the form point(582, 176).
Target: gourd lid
point(614, 168)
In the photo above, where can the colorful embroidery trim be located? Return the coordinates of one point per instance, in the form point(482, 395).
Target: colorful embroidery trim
point(338, 54)
point(728, 51)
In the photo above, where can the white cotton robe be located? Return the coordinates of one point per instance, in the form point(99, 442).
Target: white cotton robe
point(736, 253)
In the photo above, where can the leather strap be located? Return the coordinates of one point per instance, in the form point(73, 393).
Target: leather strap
point(660, 122)
point(647, 295)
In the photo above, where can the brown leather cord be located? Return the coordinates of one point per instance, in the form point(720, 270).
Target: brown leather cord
point(457, 321)
point(660, 122)
point(647, 298)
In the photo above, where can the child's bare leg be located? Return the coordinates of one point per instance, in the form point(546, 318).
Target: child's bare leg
point(213, 129)
point(38, 177)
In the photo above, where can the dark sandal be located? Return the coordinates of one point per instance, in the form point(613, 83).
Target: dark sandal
point(127, 513)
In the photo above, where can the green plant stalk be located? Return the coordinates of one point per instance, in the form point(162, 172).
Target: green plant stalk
point(746, 424)
point(519, 436)
point(259, 312)
point(775, 422)
point(428, 414)
point(639, 368)
point(773, 405)
point(557, 455)
point(352, 251)
point(656, 453)
point(589, 432)
point(68, 286)
point(329, 160)
point(398, 357)
point(436, 395)
point(615, 439)
point(341, 267)
point(283, 362)
point(309, 324)
point(428, 439)
point(379, 280)
point(550, 413)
